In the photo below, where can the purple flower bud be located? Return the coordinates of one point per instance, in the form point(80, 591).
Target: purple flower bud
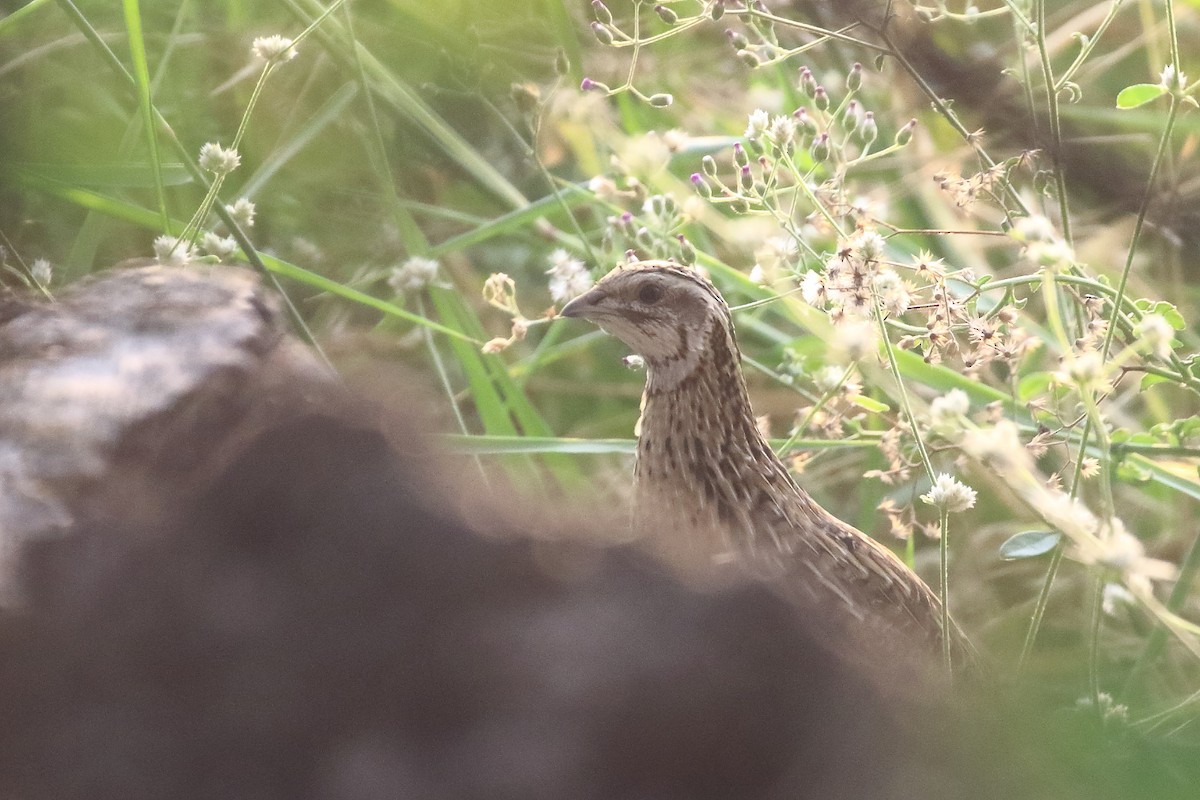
point(740, 157)
point(821, 98)
point(807, 82)
point(868, 131)
point(854, 79)
point(603, 33)
point(904, 135)
point(666, 15)
point(820, 148)
point(602, 13)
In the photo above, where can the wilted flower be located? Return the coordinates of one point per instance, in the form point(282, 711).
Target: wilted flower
point(497, 345)
point(500, 291)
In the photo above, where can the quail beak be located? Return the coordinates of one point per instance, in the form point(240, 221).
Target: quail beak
point(583, 306)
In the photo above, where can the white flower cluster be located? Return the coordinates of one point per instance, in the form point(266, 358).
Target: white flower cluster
point(569, 276)
point(950, 494)
point(763, 129)
point(273, 49)
point(242, 212)
point(854, 280)
point(219, 160)
point(172, 252)
point(1043, 245)
point(413, 275)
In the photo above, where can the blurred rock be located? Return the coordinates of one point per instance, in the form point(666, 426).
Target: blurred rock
point(98, 377)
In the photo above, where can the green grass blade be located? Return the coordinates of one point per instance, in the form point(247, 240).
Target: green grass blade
point(404, 99)
point(141, 76)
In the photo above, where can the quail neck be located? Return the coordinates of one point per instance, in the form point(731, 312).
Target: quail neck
point(702, 463)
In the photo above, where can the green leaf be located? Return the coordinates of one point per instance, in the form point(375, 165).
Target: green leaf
point(870, 404)
point(105, 176)
point(1130, 472)
point(1149, 380)
point(1029, 544)
point(1033, 385)
point(1139, 94)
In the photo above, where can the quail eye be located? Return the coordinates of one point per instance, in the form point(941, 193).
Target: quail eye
point(650, 294)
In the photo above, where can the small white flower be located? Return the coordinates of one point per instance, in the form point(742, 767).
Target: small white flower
point(999, 446)
point(782, 131)
point(604, 188)
point(676, 139)
point(277, 49)
point(41, 271)
point(219, 160)
point(1085, 371)
point(413, 275)
point(855, 339)
point(892, 292)
point(946, 413)
point(171, 252)
point(1115, 594)
point(828, 378)
point(812, 288)
point(869, 244)
point(1034, 228)
point(951, 494)
point(1155, 334)
point(242, 211)
point(776, 252)
point(757, 126)
point(1171, 81)
point(1055, 255)
point(569, 276)
point(220, 246)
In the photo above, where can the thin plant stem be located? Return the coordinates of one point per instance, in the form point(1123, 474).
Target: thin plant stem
point(1060, 177)
point(944, 586)
point(439, 367)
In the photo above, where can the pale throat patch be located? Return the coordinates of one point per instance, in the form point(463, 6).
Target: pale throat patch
point(682, 349)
